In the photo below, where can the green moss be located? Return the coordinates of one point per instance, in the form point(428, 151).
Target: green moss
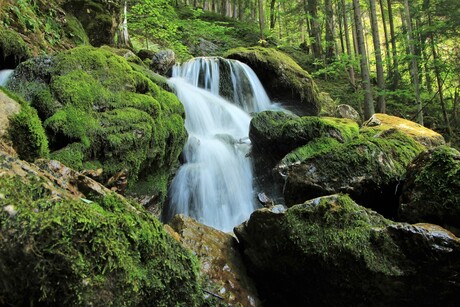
point(72, 155)
point(72, 123)
point(63, 251)
point(336, 229)
point(317, 146)
point(79, 89)
point(75, 31)
point(431, 191)
point(281, 133)
point(13, 49)
point(114, 111)
point(28, 135)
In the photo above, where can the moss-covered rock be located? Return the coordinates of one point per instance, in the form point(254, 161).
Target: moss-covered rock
point(330, 251)
point(96, 106)
point(368, 168)
point(282, 77)
point(423, 135)
point(59, 247)
point(278, 133)
point(431, 190)
point(13, 49)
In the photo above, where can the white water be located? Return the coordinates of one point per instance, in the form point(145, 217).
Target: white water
point(214, 185)
point(5, 75)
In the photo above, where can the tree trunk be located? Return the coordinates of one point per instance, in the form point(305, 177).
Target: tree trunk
point(272, 14)
point(330, 40)
point(387, 41)
point(414, 64)
point(439, 80)
point(351, 70)
point(395, 76)
point(261, 19)
point(366, 82)
point(311, 8)
point(381, 105)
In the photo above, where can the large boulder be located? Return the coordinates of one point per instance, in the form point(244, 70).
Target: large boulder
point(64, 245)
point(330, 251)
point(423, 135)
point(282, 77)
point(278, 133)
point(220, 261)
point(431, 190)
point(101, 111)
point(368, 168)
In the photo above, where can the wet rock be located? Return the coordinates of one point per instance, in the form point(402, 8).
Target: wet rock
point(368, 168)
point(346, 111)
point(330, 251)
point(162, 61)
point(220, 260)
point(424, 136)
point(265, 200)
point(282, 77)
point(431, 190)
point(278, 133)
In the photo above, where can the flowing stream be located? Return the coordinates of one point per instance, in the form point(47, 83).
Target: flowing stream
point(215, 184)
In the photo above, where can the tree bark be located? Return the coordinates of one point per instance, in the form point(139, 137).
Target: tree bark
point(395, 76)
point(272, 14)
point(438, 79)
point(414, 64)
point(261, 19)
point(381, 105)
point(311, 8)
point(387, 41)
point(330, 39)
point(351, 70)
point(366, 82)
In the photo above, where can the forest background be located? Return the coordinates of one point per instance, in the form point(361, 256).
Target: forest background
point(398, 57)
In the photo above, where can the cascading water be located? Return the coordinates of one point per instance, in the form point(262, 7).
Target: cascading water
point(5, 75)
point(214, 185)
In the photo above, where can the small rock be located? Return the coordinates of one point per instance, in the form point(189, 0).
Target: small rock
point(11, 210)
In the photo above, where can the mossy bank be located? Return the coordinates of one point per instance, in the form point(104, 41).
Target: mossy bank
point(59, 247)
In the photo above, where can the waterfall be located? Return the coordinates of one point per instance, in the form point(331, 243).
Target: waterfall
point(5, 75)
point(214, 185)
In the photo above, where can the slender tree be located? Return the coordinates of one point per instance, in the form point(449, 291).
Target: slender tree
point(351, 70)
point(381, 105)
point(366, 82)
point(414, 62)
point(395, 76)
point(311, 9)
point(261, 19)
point(330, 28)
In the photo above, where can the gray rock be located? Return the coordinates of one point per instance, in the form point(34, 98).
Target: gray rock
point(162, 61)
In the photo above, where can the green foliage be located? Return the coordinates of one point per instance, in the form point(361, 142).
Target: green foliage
point(28, 135)
point(63, 251)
